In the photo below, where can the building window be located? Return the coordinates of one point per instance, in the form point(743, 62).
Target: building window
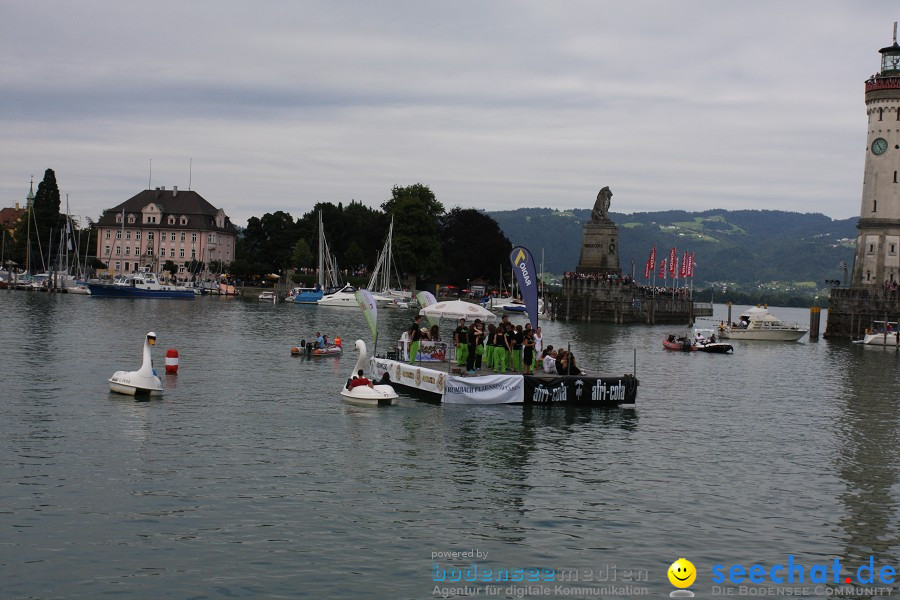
point(131, 218)
point(181, 253)
point(183, 221)
point(893, 249)
point(895, 172)
point(868, 275)
point(119, 218)
point(171, 220)
point(118, 250)
point(118, 235)
point(128, 266)
point(874, 205)
point(118, 265)
point(107, 250)
point(106, 233)
point(182, 236)
point(127, 250)
point(149, 236)
point(137, 250)
point(880, 113)
point(149, 251)
point(173, 236)
point(871, 248)
point(128, 235)
point(171, 252)
point(194, 235)
point(137, 235)
point(193, 254)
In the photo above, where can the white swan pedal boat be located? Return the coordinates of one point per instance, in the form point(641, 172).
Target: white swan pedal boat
point(144, 381)
point(366, 395)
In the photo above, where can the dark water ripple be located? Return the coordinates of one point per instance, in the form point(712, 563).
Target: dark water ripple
point(249, 478)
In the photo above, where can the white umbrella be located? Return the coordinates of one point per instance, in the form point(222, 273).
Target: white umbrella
point(457, 309)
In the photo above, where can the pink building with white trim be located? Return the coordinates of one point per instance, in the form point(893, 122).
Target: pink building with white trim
point(160, 225)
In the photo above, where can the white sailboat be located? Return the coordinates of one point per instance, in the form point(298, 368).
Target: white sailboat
point(314, 295)
point(380, 281)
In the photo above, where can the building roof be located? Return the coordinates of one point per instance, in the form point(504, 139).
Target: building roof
point(10, 216)
point(200, 213)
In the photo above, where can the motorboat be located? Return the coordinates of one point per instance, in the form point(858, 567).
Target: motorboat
point(757, 324)
point(142, 284)
point(881, 333)
point(705, 341)
point(144, 381)
point(268, 296)
point(368, 393)
point(678, 343)
point(344, 297)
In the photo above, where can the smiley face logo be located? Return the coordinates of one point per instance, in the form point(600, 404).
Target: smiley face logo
point(682, 573)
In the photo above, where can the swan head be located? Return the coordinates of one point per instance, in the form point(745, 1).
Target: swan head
point(360, 346)
point(151, 338)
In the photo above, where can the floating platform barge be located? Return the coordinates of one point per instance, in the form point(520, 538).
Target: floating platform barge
point(436, 382)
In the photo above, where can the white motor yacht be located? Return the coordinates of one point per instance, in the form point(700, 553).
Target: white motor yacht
point(757, 324)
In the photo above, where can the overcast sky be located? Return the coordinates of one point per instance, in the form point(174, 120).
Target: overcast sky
point(494, 105)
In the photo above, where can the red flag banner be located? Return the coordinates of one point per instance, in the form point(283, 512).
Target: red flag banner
point(673, 257)
point(690, 267)
point(648, 269)
point(684, 259)
point(662, 268)
point(652, 262)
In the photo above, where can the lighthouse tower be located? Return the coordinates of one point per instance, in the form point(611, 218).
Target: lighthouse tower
point(877, 259)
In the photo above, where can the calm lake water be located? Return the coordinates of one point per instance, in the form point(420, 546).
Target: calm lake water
point(250, 478)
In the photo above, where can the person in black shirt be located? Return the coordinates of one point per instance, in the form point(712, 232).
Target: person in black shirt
point(415, 334)
point(474, 336)
point(461, 339)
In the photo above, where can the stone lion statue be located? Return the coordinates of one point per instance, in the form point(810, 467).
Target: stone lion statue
point(601, 206)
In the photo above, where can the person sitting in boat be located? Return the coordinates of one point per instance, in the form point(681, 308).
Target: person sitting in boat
point(359, 380)
point(320, 341)
point(700, 338)
point(712, 339)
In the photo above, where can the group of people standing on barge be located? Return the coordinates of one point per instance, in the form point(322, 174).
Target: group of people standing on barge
point(500, 348)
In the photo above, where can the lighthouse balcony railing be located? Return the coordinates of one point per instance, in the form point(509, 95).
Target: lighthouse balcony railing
point(882, 83)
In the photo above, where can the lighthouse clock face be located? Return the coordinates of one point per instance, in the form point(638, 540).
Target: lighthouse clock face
point(879, 146)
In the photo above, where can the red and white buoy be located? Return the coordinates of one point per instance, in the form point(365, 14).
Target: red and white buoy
point(171, 360)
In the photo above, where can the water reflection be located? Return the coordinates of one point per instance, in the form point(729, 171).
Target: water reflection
point(866, 462)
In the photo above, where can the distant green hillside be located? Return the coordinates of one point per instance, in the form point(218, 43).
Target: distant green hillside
point(746, 248)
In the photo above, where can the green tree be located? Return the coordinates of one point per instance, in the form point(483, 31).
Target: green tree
point(171, 267)
point(301, 256)
point(42, 218)
point(416, 213)
point(217, 266)
point(353, 256)
point(476, 243)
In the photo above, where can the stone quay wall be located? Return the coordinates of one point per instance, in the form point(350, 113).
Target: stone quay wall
point(605, 301)
point(852, 310)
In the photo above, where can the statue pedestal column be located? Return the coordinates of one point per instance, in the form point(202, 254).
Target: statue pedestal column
point(599, 248)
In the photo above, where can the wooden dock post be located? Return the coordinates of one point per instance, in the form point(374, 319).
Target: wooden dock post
point(815, 319)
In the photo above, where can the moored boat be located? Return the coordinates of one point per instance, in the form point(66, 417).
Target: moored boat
point(143, 284)
point(881, 333)
point(757, 324)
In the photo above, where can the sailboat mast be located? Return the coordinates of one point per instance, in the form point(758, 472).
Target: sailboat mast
point(321, 278)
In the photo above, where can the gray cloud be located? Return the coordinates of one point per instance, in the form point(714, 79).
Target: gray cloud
point(690, 105)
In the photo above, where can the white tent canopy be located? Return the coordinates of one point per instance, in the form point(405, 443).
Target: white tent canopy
point(457, 309)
